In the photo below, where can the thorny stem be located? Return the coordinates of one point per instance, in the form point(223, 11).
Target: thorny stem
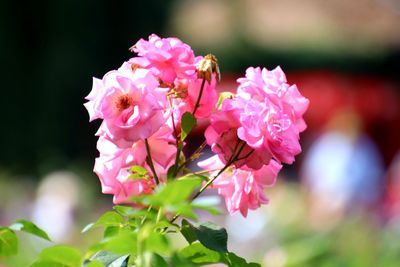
point(196, 106)
point(150, 162)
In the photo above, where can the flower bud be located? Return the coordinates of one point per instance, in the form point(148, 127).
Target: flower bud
point(208, 65)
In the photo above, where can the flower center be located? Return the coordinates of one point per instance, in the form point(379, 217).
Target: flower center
point(123, 102)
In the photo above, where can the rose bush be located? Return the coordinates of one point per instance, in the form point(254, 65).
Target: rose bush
point(148, 107)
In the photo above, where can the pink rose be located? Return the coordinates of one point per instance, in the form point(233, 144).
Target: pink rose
point(262, 85)
point(243, 189)
point(185, 96)
point(114, 163)
point(222, 136)
point(268, 130)
point(167, 58)
point(117, 182)
point(94, 98)
point(130, 102)
point(266, 113)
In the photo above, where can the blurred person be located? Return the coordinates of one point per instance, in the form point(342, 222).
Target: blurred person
point(342, 171)
point(56, 201)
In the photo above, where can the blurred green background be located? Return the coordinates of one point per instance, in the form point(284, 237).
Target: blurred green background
point(344, 56)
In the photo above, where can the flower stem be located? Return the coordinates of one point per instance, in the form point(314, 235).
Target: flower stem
point(227, 165)
point(177, 168)
point(232, 160)
point(159, 214)
point(205, 171)
point(150, 162)
point(211, 181)
point(178, 154)
point(197, 105)
point(145, 216)
point(193, 156)
point(178, 149)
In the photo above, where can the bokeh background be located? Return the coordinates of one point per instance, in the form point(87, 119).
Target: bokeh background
point(338, 205)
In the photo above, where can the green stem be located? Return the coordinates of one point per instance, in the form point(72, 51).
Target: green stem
point(150, 162)
point(178, 153)
point(145, 216)
point(192, 157)
point(205, 171)
point(196, 106)
point(227, 165)
point(211, 181)
point(159, 214)
point(203, 188)
point(178, 150)
point(233, 158)
point(177, 168)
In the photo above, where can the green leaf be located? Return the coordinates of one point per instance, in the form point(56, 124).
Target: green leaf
point(165, 224)
point(125, 210)
point(188, 232)
point(133, 213)
point(171, 172)
point(29, 227)
point(111, 231)
point(175, 192)
point(194, 176)
point(211, 236)
point(185, 210)
point(125, 242)
point(136, 176)
point(197, 253)
point(223, 96)
point(110, 218)
point(120, 262)
point(234, 260)
point(154, 241)
point(139, 170)
point(109, 259)
point(158, 261)
point(188, 122)
point(8, 242)
point(59, 255)
point(95, 264)
point(158, 243)
point(44, 263)
point(177, 260)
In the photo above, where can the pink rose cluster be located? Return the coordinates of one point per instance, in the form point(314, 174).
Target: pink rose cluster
point(141, 105)
point(256, 131)
point(136, 104)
